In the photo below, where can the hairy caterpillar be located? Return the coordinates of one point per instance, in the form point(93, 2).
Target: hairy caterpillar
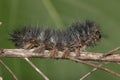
point(75, 38)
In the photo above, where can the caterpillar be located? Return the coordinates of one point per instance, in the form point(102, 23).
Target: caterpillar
point(77, 37)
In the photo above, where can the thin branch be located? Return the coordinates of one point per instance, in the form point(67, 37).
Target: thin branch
point(104, 55)
point(111, 52)
point(90, 72)
point(0, 23)
point(85, 56)
point(38, 70)
point(96, 66)
point(1, 78)
point(8, 69)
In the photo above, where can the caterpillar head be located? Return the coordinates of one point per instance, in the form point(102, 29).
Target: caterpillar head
point(86, 33)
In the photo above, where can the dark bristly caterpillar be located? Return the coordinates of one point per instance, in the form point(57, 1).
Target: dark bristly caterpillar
point(76, 37)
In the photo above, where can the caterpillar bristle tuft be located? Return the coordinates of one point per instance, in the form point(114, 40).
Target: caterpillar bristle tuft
point(78, 35)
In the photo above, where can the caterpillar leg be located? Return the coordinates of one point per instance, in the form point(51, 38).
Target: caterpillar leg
point(28, 46)
point(77, 51)
point(66, 53)
point(40, 49)
point(53, 52)
point(31, 44)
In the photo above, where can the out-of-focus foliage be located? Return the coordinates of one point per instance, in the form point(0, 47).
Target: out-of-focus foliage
point(59, 14)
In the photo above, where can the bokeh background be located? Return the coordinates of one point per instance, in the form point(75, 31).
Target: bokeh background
point(59, 14)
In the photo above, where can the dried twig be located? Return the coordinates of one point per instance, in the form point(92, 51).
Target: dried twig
point(96, 66)
point(111, 52)
point(104, 55)
point(8, 69)
point(38, 70)
point(91, 71)
point(1, 78)
point(0, 23)
point(85, 56)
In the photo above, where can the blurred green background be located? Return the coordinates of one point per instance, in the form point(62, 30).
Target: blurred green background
point(59, 14)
